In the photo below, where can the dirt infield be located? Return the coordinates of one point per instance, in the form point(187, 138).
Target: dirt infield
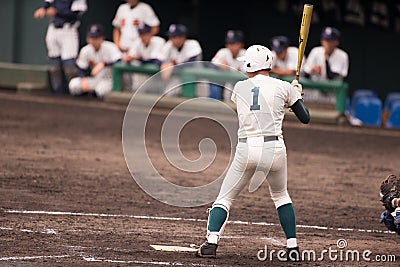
point(67, 198)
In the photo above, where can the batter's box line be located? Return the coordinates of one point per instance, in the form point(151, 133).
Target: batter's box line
point(163, 218)
point(94, 259)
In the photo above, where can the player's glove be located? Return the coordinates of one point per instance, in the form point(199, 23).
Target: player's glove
point(390, 189)
point(297, 86)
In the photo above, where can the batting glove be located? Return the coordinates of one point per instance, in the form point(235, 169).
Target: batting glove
point(297, 86)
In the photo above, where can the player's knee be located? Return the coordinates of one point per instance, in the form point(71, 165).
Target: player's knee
point(102, 89)
point(75, 86)
point(281, 198)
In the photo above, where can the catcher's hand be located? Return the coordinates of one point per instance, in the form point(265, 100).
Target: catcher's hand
point(390, 189)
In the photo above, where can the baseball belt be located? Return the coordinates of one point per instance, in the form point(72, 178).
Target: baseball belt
point(266, 139)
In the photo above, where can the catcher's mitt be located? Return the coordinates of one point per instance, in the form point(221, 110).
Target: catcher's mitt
point(390, 189)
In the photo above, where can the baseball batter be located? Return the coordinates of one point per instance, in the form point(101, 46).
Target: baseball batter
point(127, 19)
point(95, 61)
point(260, 102)
point(62, 39)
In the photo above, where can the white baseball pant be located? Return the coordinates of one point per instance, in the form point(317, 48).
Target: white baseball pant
point(256, 155)
point(63, 42)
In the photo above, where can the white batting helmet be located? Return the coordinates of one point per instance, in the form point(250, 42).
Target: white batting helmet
point(257, 57)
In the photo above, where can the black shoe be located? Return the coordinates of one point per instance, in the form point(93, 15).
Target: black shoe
point(293, 254)
point(207, 250)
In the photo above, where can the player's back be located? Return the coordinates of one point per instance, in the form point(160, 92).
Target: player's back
point(261, 102)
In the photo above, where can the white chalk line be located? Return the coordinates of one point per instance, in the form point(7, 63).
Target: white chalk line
point(142, 217)
point(21, 258)
point(166, 263)
point(46, 231)
point(93, 259)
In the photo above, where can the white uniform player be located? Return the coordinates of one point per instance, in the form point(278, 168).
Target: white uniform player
point(62, 38)
point(177, 50)
point(227, 59)
point(260, 102)
point(285, 56)
point(96, 57)
point(224, 56)
point(143, 50)
point(128, 17)
point(147, 48)
point(327, 62)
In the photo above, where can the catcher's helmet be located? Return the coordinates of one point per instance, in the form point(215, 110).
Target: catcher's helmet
point(257, 57)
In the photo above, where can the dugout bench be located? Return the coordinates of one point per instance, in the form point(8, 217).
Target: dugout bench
point(190, 75)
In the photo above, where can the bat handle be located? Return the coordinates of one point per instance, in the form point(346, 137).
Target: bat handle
point(297, 77)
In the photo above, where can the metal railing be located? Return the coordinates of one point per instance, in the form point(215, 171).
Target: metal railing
point(190, 75)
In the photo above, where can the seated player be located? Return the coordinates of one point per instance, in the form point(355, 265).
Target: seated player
point(177, 50)
point(226, 59)
point(328, 61)
point(285, 56)
point(94, 63)
point(144, 50)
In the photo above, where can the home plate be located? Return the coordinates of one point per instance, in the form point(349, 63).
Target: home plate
point(173, 248)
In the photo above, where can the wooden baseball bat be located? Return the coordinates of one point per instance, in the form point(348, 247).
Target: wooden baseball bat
point(304, 29)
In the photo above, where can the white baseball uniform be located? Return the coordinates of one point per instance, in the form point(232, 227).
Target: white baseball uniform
point(62, 38)
point(146, 53)
point(190, 49)
point(89, 57)
point(290, 61)
point(127, 19)
point(338, 62)
point(260, 103)
point(224, 56)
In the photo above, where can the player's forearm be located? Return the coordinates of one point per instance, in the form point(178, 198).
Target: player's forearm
point(301, 111)
point(117, 37)
point(155, 30)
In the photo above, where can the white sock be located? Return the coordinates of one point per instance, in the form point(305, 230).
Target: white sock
point(291, 243)
point(212, 238)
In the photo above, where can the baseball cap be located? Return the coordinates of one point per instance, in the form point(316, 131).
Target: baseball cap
point(330, 33)
point(234, 37)
point(257, 57)
point(279, 43)
point(143, 28)
point(177, 30)
point(95, 31)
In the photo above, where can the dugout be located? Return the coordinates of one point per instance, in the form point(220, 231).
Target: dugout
point(371, 37)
